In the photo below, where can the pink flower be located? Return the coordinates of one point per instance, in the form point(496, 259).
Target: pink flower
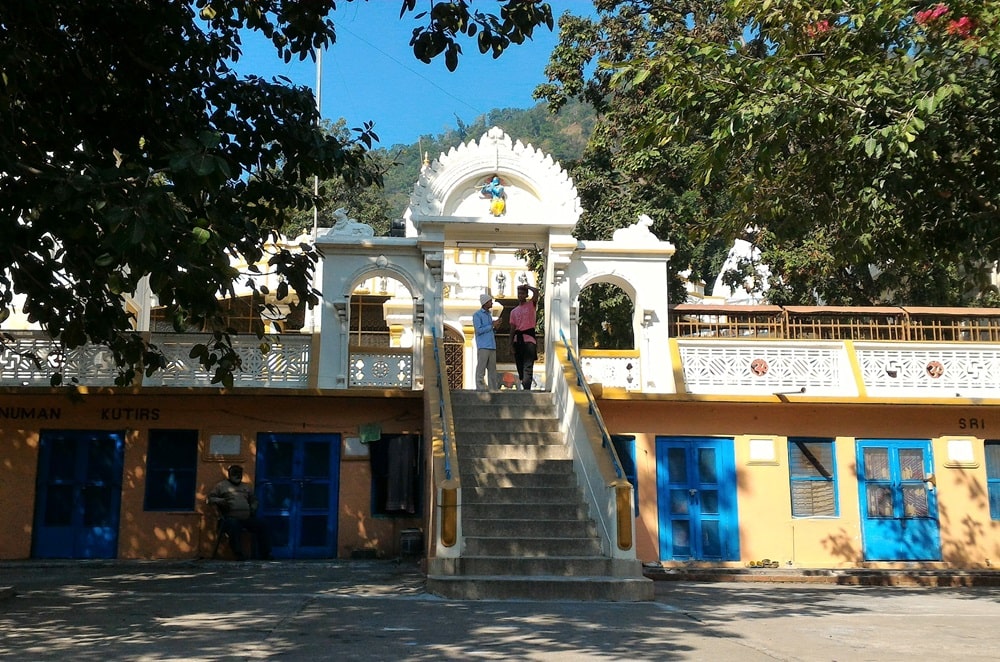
point(818, 28)
point(962, 27)
point(928, 15)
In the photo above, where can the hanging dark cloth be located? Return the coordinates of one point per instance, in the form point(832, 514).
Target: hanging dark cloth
point(395, 469)
point(402, 474)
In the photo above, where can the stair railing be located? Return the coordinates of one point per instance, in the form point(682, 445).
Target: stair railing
point(443, 411)
point(603, 479)
point(592, 406)
point(445, 511)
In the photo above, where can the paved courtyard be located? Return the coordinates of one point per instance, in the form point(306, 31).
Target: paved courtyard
point(378, 610)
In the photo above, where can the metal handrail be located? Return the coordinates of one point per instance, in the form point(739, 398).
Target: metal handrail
point(592, 407)
point(441, 381)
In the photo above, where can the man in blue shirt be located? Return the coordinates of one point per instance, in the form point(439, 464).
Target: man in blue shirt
point(486, 343)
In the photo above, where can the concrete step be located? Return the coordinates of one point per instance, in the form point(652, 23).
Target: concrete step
point(500, 511)
point(514, 452)
point(517, 438)
point(467, 426)
point(563, 566)
point(521, 495)
point(509, 398)
point(523, 546)
point(483, 478)
point(569, 528)
point(911, 577)
point(544, 587)
point(500, 410)
point(471, 466)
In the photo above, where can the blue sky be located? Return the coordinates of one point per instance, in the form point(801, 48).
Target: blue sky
point(371, 74)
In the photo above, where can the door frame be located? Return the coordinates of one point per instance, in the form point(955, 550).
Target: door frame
point(296, 512)
point(898, 536)
point(78, 539)
point(724, 486)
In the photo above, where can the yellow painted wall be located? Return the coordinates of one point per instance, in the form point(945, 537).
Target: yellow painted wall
point(192, 534)
point(969, 537)
point(767, 530)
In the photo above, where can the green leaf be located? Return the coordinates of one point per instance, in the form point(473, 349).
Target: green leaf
point(203, 164)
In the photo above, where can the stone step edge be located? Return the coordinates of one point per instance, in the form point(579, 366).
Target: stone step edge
point(840, 576)
point(539, 578)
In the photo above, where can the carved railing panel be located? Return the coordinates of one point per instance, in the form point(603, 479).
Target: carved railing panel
point(381, 368)
point(285, 365)
point(612, 371)
point(763, 367)
point(929, 370)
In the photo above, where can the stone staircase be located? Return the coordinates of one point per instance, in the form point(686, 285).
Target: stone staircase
point(527, 531)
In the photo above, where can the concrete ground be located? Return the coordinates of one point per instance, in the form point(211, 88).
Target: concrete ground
point(378, 610)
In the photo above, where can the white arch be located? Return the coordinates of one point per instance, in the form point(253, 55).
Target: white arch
point(539, 191)
point(349, 260)
point(635, 261)
point(611, 276)
point(374, 271)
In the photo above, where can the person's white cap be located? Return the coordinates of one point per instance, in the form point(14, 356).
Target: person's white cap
point(483, 298)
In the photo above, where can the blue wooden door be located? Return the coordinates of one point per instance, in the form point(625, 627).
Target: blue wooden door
point(696, 490)
point(899, 515)
point(78, 495)
point(297, 490)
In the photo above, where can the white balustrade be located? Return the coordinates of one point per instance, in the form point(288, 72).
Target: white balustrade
point(710, 366)
point(929, 370)
point(381, 368)
point(277, 362)
point(761, 367)
point(612, 371)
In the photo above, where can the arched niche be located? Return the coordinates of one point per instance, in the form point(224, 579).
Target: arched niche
point(381, 311)
point(605, 320)
point(539, 192)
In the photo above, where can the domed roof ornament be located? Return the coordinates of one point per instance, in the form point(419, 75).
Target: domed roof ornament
point(536, 185)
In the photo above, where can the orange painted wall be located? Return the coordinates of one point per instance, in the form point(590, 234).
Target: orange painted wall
point(192, 534)
point(969, 537)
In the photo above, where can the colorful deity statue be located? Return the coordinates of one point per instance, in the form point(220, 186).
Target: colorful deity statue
point(498, 197)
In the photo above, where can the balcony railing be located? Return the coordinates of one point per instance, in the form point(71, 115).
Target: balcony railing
point(908, 324)
point(284, 365)
point(381, 367)
point(612, 368)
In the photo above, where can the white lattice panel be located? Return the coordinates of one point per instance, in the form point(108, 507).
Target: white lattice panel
point(90, 365)
point(762, 367)
point(15, 368)
point(612, 371)
point(383, 369)
point(900, 369)
point(285, 365)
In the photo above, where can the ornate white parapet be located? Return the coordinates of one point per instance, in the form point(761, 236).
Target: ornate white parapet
point(761, 367)
point(839, 368)
point(391, 368)
point(614, 369)
point(929, 370)
point(278, 362)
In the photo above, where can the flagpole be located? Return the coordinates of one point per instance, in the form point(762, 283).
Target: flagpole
point(319, 120)
point(319, 123)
